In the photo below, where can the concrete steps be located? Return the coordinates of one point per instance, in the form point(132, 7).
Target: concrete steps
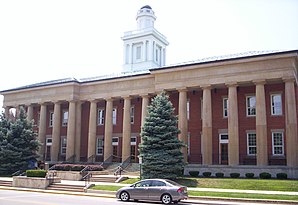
point(66, 187)
point(6, 183)
point(103, 178)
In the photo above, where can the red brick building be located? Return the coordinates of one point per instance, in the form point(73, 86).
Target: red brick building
point(235, 112)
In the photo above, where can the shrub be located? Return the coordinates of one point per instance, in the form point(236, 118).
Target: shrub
point(206, 174)
point(235, 175)
point(250, 175)
point(36, 173)
point(281, 176)
point(76, 167)
point(265, 175)
point(219, 175)
point(194, 173)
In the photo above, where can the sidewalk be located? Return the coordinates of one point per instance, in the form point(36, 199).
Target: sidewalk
point(111, 194)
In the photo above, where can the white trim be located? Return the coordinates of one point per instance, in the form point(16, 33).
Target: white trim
point(51, 120)
point(247, 141)
point(271, 104)
point(247, 108)
point(114, 115)
point(223, 107)
point(282, 146)
point(100, 116)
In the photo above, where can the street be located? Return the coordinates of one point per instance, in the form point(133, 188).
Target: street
point(11, 197)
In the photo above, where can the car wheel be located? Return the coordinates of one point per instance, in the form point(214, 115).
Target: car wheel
point(124, 196)
point(166, 199)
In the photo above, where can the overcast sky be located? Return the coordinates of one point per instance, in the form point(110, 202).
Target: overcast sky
point(46, 40)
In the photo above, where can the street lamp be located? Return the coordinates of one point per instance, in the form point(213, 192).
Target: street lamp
point(140, 163)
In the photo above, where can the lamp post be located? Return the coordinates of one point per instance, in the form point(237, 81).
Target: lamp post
point(140, 163)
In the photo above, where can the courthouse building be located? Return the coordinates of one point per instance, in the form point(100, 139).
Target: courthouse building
point(237, 111)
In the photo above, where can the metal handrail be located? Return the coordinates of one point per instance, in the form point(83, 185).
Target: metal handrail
point(125, 163)
point(20, 172)
point(86, 168)
point(87, 178)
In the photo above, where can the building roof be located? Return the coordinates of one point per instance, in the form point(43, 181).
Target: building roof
point(148, 71)
point(146, 7)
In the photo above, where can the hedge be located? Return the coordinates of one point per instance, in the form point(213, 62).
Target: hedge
point(36, 173)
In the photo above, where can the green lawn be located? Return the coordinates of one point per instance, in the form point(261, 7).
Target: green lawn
point(228, 183)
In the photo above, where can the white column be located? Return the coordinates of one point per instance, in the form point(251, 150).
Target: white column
point(30, 112)
point(261, 124)
point(291, 123)
point(182, 120)
point(71, 131)
point(92, 129)
point(56, 132)
point(207, 127)
point(233, 150)
point(42, 130)
point(78, 131)
point(108, 148)
point(126, 129)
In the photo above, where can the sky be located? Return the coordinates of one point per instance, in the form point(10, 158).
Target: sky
point(46, 40)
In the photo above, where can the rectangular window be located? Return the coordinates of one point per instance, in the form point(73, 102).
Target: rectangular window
point(100, 116)
point(114, 116)
point(115, 141)
point(251, 106)
point(133, 140)
point(99, 146)
point(51, 119)
point(277, 143)
point(64, 118)
point(63, 145)
point(132, 115)
point(251, 143)
point(138, 52)
point(276, 104)
point(49, 141)
point(225, 104)
point(187, 108)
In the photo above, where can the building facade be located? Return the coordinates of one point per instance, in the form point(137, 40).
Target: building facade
point(234, 111)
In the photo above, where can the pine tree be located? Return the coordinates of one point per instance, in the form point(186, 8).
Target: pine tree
point(18, 144)
point(160, 148)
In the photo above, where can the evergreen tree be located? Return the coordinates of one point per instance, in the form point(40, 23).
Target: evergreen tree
point(161, 150)
point(18, 144)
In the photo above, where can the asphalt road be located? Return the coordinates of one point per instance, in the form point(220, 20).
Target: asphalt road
point(11, 197)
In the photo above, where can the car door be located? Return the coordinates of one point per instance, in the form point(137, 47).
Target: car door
point(140, 190)
point(156, 189)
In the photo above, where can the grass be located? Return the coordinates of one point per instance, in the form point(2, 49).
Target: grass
point(228, 183)
point(244, 184)
point(243, 195)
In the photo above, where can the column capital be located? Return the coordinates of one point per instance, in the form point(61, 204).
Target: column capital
point(289, 79)
point(231, 84)
point(109, 99)
point(182, 89)
point(204, 87)
point(127, 97)
point(259, 82)
point(93, 100)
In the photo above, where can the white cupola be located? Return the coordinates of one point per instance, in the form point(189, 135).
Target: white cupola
point(145, 47)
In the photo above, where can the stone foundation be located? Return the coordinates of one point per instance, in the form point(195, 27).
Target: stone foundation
point(33, 182)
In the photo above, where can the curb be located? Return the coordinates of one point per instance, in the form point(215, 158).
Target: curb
point(111, 194)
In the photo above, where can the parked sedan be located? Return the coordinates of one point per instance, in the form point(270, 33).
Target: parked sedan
point(163, 190)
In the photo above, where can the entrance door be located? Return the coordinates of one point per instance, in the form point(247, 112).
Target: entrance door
point(223, 148)
point(224, 153)
point(48, 149)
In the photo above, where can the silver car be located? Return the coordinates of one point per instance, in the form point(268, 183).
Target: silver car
point(162, 190)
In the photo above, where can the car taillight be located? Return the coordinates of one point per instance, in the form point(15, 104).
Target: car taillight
point(180, 190)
